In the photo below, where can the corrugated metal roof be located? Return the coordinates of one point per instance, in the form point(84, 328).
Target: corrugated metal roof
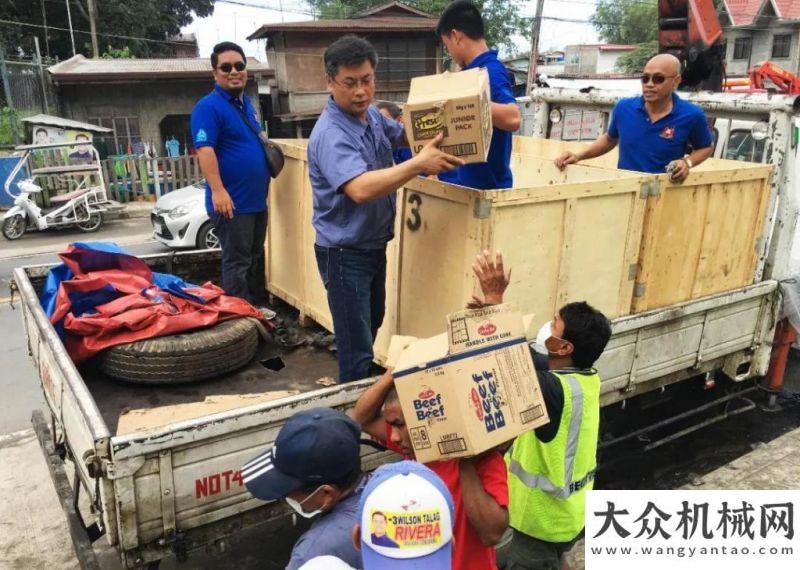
point(83, 69)
point(53, 121)
point(391, 24)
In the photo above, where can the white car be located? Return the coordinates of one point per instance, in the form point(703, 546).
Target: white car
point(180, 219)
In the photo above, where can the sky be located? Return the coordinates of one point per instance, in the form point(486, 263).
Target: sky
point(236, 20)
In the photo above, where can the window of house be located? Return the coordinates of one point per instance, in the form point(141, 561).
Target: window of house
point(126, 134)
point(741, 48)
point(781, 44)
point(399, 59)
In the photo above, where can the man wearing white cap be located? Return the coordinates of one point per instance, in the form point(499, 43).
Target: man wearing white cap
point(406, 519)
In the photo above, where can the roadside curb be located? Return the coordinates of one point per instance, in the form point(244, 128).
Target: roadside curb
point(134, 210)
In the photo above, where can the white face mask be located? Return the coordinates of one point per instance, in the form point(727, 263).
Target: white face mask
point(298, 506)
point(541, 337)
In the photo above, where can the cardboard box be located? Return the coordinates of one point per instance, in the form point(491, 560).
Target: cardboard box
point(470, 389)
point(457, 104)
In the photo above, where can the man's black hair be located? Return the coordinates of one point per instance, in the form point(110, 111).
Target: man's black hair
point(349, 51)
point(587, 329)
point(222, 47)
point(82, 135)
point(40, 130)
point(464, 16)
point(394, 109)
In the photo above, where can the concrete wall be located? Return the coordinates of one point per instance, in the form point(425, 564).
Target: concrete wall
point(150, 102)
point(761, 49)
point(607, 61)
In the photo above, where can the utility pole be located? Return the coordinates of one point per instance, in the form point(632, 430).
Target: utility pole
point(46, 35)
point(71, 33)
point(93, 28)
point(537, 26)
point(41, 75)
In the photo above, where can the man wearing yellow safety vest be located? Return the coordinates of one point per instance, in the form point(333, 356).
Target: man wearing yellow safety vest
point(551, 468)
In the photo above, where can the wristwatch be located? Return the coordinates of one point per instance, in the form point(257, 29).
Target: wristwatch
point(688, 162)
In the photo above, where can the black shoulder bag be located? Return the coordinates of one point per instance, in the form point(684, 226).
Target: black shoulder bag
point(272, 151)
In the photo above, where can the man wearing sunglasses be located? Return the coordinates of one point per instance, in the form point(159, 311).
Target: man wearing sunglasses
point(658, 131)
point(354, 183)
point(225, 131)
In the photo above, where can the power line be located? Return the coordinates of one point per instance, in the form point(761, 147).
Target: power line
point(40, 26)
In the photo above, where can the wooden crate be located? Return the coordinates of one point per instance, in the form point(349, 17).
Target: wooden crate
point(568, 235)
point(700, 237)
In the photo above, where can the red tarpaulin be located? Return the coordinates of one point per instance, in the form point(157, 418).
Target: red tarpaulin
point(139, 308)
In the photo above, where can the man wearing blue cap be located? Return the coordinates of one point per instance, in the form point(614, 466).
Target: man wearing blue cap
point(315, 465)
point(406, 517)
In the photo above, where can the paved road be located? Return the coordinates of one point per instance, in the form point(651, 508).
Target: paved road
point(19, 383)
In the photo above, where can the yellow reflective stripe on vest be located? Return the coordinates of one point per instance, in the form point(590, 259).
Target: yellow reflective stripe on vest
point(540, 481)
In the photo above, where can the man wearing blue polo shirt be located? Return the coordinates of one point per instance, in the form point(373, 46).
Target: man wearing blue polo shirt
point(225, 130)
point(658, 131)
point(462, 32)
point(354, 185)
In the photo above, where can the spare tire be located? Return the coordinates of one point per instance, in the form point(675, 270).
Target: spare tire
point(185, 357)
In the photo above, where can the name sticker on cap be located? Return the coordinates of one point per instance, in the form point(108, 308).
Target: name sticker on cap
point(421, 529)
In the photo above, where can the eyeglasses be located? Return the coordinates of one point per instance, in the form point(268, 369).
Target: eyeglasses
point(228, 67)
point(352, 84)
point(657, 78)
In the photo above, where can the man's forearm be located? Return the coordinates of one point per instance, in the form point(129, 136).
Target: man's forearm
point(599, 147)
point(489, 519)
point(209, 166)
point(379, 183)
point(701, 154)
point(367, 410)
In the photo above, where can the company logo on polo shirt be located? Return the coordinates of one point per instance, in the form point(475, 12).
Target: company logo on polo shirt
point(668, 133)
point(201, 136)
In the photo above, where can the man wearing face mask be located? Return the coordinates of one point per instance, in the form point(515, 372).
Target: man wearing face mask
point(551, 468)
point(315, 466)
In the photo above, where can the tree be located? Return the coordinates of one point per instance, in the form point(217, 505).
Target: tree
point(501, 18)
point(149, 19)
point(633, 62)
point(626, 21)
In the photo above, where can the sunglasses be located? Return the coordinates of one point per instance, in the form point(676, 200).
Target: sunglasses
point(228, 67)
point(657, 78)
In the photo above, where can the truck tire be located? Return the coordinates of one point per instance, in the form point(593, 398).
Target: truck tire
point(185, 357)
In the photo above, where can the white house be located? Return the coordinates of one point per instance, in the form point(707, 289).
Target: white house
point(593, 59)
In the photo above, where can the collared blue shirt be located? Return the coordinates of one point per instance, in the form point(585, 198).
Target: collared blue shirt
point(401, 154)
point(645, 146)
point(495, 172)
point(341, 148)
point(217, 122)
point(331, 533)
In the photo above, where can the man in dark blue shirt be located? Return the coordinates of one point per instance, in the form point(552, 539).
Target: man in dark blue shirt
point(354, 185)
point(225, 130)
point(654, 131)
point(393, 111)
point(462, 32)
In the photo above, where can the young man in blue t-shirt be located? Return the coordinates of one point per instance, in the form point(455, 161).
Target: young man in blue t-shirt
point(462, 32)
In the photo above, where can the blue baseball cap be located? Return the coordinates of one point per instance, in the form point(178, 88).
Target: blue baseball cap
point(406, 515)
point(315, 446)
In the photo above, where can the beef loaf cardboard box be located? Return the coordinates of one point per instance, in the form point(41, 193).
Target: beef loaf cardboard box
point(470, 389)
point(456, 104)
